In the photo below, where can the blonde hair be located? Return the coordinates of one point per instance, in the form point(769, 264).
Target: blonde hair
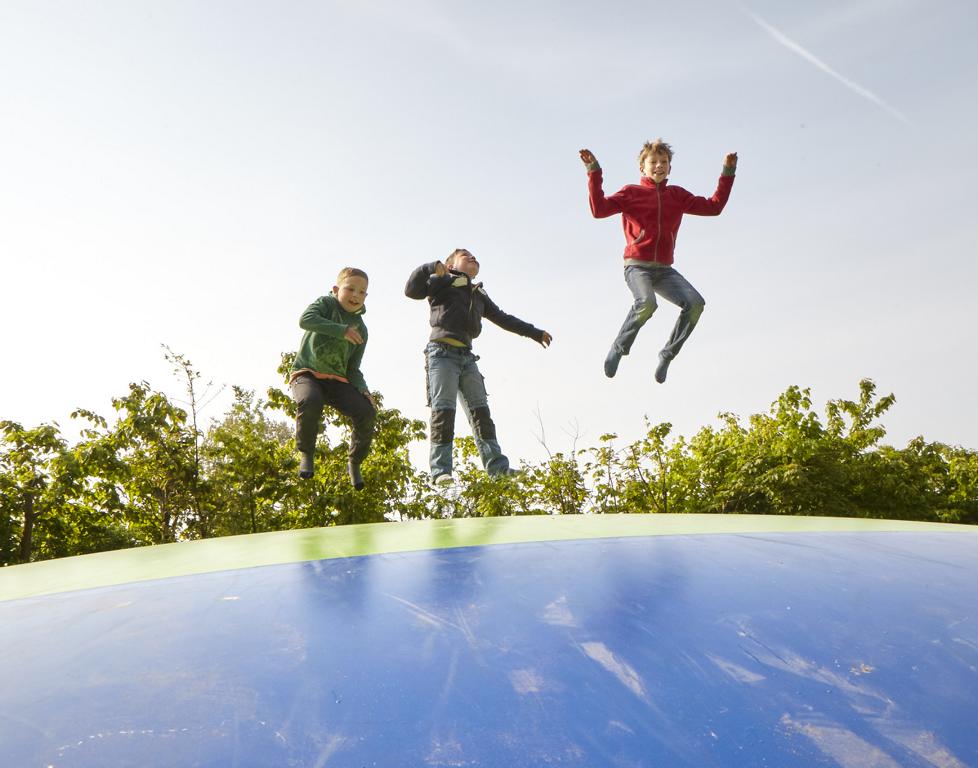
point(453, 254)
point(654, 147)
point(351, 272)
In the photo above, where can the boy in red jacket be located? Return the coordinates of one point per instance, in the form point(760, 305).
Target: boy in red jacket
point(651, 213)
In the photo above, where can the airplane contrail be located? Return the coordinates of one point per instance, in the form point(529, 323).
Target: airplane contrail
point(794, 47)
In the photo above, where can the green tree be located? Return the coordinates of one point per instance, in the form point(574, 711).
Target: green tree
point(604, 470)
point(152, 476)
point(145, 463)
point(250, 469)
point(648, 481)
point(197, 400)
point(715, 455)
point(478, 494)
point(31, 481)
point(961, 503)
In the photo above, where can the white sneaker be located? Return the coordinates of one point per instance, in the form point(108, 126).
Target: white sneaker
point(443, 481)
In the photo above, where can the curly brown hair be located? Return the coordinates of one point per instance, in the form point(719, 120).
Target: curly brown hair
point(654, 147)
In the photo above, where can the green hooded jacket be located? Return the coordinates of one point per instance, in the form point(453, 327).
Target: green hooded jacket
point(323, 348)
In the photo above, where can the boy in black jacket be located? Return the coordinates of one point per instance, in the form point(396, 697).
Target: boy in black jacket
point(458, 305)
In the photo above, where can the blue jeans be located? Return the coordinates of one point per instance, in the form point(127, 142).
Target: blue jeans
point(644, 283)
point(452, 375)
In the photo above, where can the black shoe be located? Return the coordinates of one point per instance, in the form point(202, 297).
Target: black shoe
point(355, 477)
point(662, 368)
point(306, 465)
point(611, 363)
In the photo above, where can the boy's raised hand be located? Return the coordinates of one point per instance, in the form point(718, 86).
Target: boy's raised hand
point(352, 335)
point(545, 340)
point(587, 157)
point(730, 160)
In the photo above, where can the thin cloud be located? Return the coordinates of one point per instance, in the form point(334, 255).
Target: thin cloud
point(808, 56)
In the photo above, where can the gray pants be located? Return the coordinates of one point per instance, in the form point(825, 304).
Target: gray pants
point(644, 283)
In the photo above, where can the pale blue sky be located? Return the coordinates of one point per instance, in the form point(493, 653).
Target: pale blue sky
point(195, 173)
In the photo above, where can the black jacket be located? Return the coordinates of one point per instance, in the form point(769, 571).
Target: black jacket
point(458, 306)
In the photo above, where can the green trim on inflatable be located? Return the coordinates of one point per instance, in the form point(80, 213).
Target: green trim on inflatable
point(106, 569)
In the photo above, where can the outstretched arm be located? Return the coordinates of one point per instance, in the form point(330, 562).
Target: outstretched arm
point(513, 324)
point(712, 206)
point(601, 206)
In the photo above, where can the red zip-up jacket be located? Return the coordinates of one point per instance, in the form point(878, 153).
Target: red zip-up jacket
point(651, 213)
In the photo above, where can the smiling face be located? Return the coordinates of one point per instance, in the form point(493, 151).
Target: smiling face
point(656, 166)
point(351, 292)
point(463, 261)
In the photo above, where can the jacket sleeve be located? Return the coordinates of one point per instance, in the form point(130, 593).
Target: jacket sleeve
point(601, 206)
point(353, 373)
point(507, 322)
point(423, 282)
point(703, 206)
point(316, 318)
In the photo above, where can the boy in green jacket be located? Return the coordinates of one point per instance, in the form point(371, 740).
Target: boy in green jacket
point(326, 371)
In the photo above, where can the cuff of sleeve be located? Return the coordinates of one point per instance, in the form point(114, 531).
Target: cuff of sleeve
point(591, 167)
point(729, 170)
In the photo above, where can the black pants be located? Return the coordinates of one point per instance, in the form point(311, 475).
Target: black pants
point(311, 394)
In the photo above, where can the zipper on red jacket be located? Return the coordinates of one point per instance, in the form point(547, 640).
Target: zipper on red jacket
point(658, 229)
